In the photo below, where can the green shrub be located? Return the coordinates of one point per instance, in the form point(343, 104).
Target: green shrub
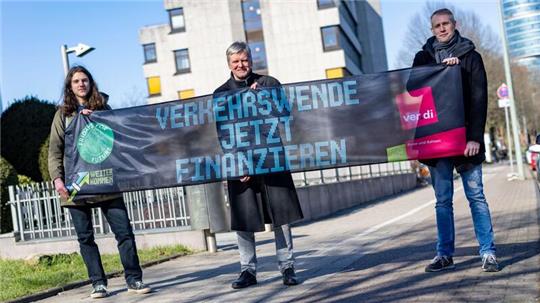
point(24, 180)
point(25, 125)
point(43, 160)
point(8, 176)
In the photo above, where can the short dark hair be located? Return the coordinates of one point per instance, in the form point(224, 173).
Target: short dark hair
point(444, 11)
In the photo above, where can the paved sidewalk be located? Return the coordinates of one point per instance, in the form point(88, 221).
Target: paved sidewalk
point(376, 253)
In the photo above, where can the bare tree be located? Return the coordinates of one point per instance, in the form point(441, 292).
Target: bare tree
point(527, 95)
point(468, 24)
point(134, 97)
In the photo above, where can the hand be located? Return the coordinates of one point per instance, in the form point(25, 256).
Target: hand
point(86, 111)
point(255, 85)
point(61, 188)
point(451, 61)
point(244, 179)
point(471, 149)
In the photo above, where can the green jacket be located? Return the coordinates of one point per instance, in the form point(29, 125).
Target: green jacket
point(56, 158)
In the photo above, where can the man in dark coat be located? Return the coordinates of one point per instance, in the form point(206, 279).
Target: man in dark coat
point(256, 200)
point(448, 47)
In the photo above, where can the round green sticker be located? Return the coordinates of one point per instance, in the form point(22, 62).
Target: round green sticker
point(95, 142)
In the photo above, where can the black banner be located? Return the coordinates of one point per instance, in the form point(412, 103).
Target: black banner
point(392, 116)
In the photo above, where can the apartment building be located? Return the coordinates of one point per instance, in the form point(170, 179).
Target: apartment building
point(294, 41)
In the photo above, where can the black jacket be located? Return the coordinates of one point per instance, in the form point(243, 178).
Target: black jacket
point(269, 198)
point(474, 83)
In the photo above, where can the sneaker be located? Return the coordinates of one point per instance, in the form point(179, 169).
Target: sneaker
point(99, 291)
point(489, 263)
point(440, 263)
point(139, 288)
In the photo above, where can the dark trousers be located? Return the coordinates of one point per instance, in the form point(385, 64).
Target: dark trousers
point(116, 214)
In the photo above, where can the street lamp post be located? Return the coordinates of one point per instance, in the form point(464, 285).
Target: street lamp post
point(79, 50)
point(512, 105)
point(504, 102)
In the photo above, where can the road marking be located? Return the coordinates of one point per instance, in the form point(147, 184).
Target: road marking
point(348, 243)
point(412, 212)
point(405, 215)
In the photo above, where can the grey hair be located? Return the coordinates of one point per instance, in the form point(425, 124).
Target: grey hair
point(444, 11)
point(238, 47)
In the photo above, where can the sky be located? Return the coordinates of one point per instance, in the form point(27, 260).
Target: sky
point(32, 32)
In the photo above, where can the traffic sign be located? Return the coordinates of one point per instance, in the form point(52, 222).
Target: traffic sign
point(502, 91)
point(504, 103)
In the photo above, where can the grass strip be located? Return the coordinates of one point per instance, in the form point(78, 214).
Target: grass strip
point(21, 278)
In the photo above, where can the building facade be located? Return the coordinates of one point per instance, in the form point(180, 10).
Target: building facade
point(293, 41)
point(522, 25)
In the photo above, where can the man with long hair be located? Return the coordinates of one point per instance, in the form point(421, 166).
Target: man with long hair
point(81, 96)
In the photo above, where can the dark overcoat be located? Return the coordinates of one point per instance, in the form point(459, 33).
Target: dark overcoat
point(264, 199)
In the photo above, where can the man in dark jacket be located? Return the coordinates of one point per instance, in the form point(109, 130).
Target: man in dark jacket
point(448, 47)
point(256, 200)
point(81, 96)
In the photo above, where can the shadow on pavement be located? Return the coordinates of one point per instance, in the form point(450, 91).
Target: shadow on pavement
point(367, 275)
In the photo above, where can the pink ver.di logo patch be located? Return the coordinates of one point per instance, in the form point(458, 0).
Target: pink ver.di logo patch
point(417, 108)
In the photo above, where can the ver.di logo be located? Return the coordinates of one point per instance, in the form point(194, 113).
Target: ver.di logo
point(95, 142)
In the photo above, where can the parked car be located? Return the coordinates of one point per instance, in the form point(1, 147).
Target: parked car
point(538, 160)
point(534, 151)
point(537, 169)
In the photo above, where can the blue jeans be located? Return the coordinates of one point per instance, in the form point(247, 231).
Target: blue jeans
point(116, 214)
point(443, 184)
point(284, 249)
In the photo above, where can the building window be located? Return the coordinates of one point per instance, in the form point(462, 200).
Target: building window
point(176, 20)
point(150, 53)
point(154, 86)
point(347, 16)
point(258, 55)
point(322, 4)
point(251, 12)
point(186, 94)
point(338, 72)
point(333, 38)
point(330, 37)
point(350, 50)
point(181, 57)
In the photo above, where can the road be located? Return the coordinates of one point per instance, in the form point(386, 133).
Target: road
point(373, 253)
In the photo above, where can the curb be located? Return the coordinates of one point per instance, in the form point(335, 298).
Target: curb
point(55, 291)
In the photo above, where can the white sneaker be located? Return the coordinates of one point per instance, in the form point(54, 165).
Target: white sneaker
point(99, 291)
point(489, 263)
